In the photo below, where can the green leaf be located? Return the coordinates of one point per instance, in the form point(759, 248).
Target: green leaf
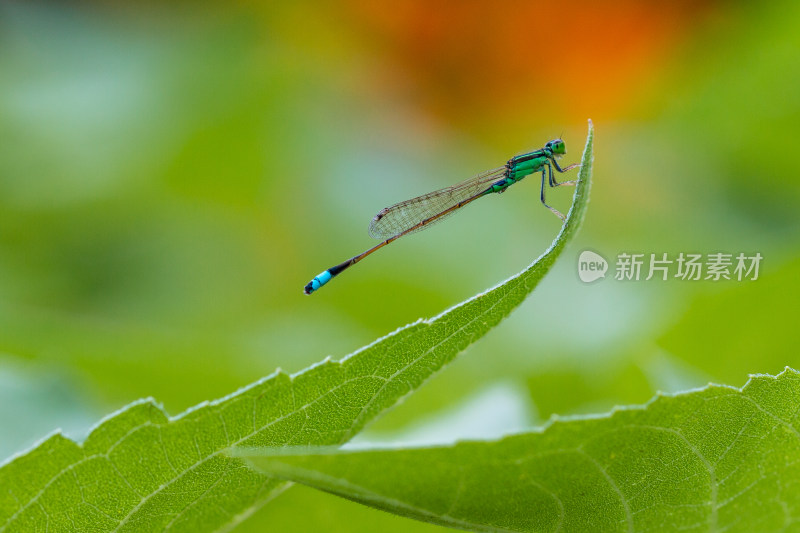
point(719, 458)
point(140, 470)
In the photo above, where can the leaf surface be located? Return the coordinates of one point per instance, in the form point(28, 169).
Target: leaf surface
point(714, 459)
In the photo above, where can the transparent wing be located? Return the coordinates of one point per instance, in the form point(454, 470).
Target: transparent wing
point(398, 218)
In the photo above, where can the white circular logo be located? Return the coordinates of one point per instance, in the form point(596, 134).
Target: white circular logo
point(591, 266)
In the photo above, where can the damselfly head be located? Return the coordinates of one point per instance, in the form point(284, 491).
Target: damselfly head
point(557, 147)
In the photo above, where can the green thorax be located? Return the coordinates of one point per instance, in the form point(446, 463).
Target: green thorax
point(520, 166)
point(525, 164)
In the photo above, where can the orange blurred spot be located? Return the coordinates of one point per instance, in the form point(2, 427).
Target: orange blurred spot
point(472, 58)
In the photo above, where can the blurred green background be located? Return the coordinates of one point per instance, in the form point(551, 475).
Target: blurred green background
point(172, 175)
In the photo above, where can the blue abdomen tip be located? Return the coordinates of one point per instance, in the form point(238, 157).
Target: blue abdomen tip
point(318, 282)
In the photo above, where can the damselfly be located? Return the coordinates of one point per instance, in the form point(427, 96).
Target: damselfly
point(423, 211)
